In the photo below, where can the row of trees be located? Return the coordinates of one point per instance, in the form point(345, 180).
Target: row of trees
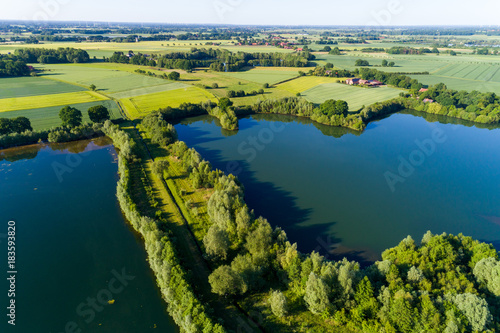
point(14, 125)
point(72, 117)
point(217, 59)
point(52, 56)
point(11, 65)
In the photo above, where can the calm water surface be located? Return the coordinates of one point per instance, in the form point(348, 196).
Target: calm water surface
point(72, 242)
point(328, 189)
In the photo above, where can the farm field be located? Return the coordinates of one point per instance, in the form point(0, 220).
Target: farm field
point(356, 97)
point(459, 84)
point(46, 118)
point(304, 83)
point(33, 86)
point(106, 80)
point(31, 102)
point(140, 106)
point(266, 75)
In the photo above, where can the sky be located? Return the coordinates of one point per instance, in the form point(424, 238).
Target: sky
point(260, 12)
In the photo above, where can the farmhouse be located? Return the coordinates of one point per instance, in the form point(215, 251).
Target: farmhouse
point(356, 81)
point(423, 90)
point(352, 81)
point(428, 100)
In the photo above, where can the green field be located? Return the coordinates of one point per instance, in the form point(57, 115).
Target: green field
point(32, 102)
point(356, 97)
point(45, 118)
point(270, 75)
point(140, 106)
point(33, 86)
point(304, 83)
point(105, 79)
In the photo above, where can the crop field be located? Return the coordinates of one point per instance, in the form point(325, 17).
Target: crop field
point(106, 80)
point(149, 90)
point(140, 106)
point(45, 118)
point(265, 75)
point(32, 102)
point(304, 83)
point(459, 84)
point(33, 86)
point(356, 97)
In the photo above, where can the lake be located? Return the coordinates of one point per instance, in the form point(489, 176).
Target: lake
point(74, 252)
point(345, 193)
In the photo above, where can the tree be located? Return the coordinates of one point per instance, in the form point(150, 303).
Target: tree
point(174, 76)
point(224, 103)
point(215, 85)
point(341, 107)
point(277, 301)
point(70, 116)
point(261, 91)
point(327, 48)
point(93, 87)
point(21, 124)
point(5, 126)
point(361, 62)
point(225, 281)
point(216, 242)
point(316, 295)
point(328, 65)
point(487, 271)
point(335, 51)
point(98, 113)
point(265, 85)
point(384, 63)
point(392, 64)
point(475, 309)
point(231, 94)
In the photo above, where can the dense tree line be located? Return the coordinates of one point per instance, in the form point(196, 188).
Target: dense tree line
point(51, 56)
point(217, 59)
point(410, 50)
point(11, 65)
point(474, 106)
point(14, 125)
point(58, 134)
point(333, 113)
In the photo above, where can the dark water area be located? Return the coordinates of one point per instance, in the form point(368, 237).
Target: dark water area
point(74, 250)
point(346, 193)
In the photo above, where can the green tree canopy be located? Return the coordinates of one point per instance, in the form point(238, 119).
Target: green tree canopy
point(70, 116)
point(98, 113)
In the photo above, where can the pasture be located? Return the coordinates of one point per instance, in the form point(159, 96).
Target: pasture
point(356, 97)
point(140, 106)
point(271, 75)
point(105, 79)
point(304, 83)
point(46, 118)
point(32, 102)
point(33, 86)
